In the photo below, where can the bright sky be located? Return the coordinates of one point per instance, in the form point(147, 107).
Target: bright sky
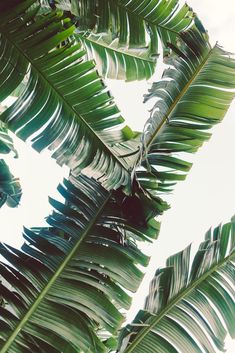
point(204, 199)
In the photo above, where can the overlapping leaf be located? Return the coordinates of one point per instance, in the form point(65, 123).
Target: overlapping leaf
point(65, 105)
point(190, 307)
point(10, 190)
point(117, 62)
point(69, 280)
point(193, 95)
point(123, 35)
point(166, 18)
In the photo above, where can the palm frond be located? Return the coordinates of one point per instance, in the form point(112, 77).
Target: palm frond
point(70, 279)
point(194, 94)
point(190, 306)
point(10, 189)
point(65, 105)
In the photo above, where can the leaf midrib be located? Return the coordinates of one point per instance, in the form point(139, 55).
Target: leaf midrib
point(58, 272)
point(156, 319)
point(178, 98)
point(40, 73)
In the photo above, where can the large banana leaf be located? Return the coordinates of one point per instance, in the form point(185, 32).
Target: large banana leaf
point(194, 94)
point(65, 105)
point(190, 306)
point(123, 35)
point(69, 280)
point(10, 190)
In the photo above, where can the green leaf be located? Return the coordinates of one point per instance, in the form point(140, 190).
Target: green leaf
point(6, 142)
point(116, 61)
point(70, 280)
point(188, 305)
point(194, 94)
point(10, 189)
point(65, 106)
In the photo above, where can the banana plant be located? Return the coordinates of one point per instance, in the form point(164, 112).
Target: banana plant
point(193, 78)
point(67, 289)
point(190, 306)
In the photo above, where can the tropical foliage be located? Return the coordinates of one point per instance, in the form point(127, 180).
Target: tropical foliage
point(68, 288)
point(193, 95)
point(10, 190)
point(178, 314)
point(77, 270)
point(123, 36)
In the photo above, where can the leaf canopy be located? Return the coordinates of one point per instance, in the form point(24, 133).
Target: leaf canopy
point(190, 305)
point(123, 36)
point(78, 270)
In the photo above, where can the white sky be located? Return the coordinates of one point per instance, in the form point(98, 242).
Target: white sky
point(204, 199)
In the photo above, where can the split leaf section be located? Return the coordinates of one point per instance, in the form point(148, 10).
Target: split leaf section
point(191, 301)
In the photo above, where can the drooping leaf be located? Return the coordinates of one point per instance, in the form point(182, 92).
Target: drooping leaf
point(190, 306)
point(70, 279)
point(194, 94)
point(65, 105)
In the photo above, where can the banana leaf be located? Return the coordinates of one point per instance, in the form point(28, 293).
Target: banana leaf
point(123, 36)
point(190, 306)
point(65, 105)
point(193, 95)
point(70, 282)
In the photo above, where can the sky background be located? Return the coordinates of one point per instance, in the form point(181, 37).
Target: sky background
point(206, 197)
